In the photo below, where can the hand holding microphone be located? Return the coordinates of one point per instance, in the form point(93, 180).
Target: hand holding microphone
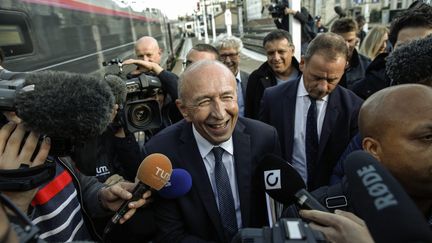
point(153, 173)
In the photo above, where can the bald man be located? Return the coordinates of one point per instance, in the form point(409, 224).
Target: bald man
point(396, 126)
point(200, 52)
point(148, 60)
point(208, 103)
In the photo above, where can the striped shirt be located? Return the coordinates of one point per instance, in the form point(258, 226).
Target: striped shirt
point(57, 210)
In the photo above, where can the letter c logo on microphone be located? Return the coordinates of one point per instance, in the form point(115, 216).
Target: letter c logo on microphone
point(272, 179)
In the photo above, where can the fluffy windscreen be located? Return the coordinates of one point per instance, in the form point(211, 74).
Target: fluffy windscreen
point(65, 105)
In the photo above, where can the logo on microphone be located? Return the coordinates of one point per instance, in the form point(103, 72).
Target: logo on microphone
point(272, 179)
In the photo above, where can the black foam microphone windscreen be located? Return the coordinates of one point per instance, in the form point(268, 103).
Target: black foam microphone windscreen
point(284, 184)
point(377, 198)
point(66, 105)
point(118, 87)
point(411, 62)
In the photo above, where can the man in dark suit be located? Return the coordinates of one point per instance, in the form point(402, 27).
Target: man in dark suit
point(314, 116)
point(208, 102)
point(229, 48)
point(281, 67)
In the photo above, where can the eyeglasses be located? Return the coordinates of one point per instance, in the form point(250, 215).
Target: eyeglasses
point(230, 55)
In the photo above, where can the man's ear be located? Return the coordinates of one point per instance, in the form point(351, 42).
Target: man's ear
point(372, 146)
point(302, 64)
point(183, 109)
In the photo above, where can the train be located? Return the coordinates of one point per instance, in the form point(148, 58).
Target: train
point(79, 35)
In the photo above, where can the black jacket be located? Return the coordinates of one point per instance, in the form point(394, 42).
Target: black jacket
point(375, 78)
point(356, 71)
point(259, 80)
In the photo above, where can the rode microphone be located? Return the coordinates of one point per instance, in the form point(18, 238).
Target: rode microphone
point(153, 173)
point(377, 198)
point(284, 184)
point(179, 184)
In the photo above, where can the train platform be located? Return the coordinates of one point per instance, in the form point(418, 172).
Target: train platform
point(249, 60)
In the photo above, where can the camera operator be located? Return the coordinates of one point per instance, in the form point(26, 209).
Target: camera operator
point(306, 20)
point(148, 61)
point(115, 154)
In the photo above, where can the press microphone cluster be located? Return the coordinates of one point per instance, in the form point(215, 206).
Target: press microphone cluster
point(153, 173)
point(378, 198)
point(284, 184)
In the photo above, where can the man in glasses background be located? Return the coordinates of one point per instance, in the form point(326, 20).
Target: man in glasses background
point(229, 48)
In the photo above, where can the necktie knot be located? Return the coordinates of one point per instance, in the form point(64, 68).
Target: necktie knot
point(218, 152)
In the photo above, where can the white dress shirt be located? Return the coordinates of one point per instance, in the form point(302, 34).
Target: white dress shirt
point(205, 149)
point(301, 109)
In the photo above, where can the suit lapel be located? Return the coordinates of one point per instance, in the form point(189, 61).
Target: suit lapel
point(288, 111)
point(329, 122)
point(243, 160)
point(244, 79)
point(193, 163)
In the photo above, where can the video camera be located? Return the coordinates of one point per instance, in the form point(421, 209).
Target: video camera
point(277, 9)
point(286, 230)
point(141, 111)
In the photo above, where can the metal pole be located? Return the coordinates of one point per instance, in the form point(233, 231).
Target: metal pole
point(240, 16)
point(213, 22)
point(295, 29)
point(228, 20)
point(206, 39)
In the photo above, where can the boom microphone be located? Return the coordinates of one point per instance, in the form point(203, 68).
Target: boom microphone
point(284, 184)
point(153, 173)
point(179, 184)
point(65, 105)
point(377, 198)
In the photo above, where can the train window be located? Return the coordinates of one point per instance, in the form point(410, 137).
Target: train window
point(14, 34)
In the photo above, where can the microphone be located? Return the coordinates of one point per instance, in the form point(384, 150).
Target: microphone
point(118, 88)
point(153, 173)
point(377, 198)
point(339, 11)
point(404, 67)
point(62, 104)
point(284, 184)
point(179, 184)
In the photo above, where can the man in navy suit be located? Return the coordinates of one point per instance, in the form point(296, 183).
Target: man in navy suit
point(208, 103)
point(314, 116)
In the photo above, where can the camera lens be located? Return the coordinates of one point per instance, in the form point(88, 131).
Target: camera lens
point(140, 115)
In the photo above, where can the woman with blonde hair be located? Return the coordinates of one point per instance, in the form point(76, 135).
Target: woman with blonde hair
point(375, 42)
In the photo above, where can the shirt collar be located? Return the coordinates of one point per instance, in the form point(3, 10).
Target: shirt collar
point(205, 146)
point(238, 77)
point(301, 90)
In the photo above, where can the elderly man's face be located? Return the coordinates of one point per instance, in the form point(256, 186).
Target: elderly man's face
point(320, 75)
point(209, 101)
point(231, 58)
point(406, 146)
